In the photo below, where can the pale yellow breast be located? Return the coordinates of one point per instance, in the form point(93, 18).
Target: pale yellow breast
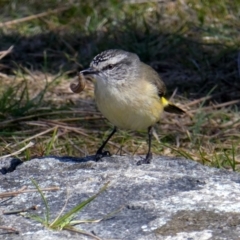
point(133, 107)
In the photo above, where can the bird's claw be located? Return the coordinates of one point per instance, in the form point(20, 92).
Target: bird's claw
point(146, 160)
point(100, 154)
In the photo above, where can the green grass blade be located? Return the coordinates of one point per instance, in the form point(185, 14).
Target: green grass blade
point(66, 218)
point(44, 201)
point(50, 144)
point(108, 216)
point(179, 151)
point(38, 219)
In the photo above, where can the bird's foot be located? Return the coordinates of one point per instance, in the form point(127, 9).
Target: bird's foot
point(146, 160)
point(100, 154)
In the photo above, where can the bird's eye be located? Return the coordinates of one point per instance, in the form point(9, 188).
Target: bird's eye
point(110, 66)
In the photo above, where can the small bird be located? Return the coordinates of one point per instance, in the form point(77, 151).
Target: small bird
point(129, 93)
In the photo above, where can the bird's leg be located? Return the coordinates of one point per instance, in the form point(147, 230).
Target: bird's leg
point(100, 154)
point(148, 157)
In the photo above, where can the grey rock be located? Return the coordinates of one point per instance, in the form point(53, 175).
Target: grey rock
point(167, 199)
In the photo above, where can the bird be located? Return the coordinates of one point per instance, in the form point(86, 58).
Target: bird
point(129, 93)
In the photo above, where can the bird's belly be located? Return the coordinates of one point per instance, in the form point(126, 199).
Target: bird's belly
point(133, 112)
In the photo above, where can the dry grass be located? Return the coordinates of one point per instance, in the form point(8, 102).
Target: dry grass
point(193, 45)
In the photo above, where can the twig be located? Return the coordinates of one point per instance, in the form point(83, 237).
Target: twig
point(80, 119)
point(15, 193)
point(70, 228)
point(198, 101)
point(194, 102)
point(173, 94)
point(74, 145)
point(143, 1)
point(10, 229)
point(32, 17)
point(2, 75)
point(5, 53)
point(66, 127)
point(217, 106)
point(30, 144)
point(34, 207)
point(2, 124)
point(90, 137)
point(18, 191)
point(35, 136)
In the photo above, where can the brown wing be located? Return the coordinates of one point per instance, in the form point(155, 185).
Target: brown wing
point(148, 71)
point(150, 74)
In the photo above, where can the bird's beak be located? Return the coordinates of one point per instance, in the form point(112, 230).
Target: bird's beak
point(89, 71)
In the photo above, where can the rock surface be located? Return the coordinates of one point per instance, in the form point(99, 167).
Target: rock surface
point(167, 199)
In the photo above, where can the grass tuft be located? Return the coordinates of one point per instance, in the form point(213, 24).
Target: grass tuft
point(65, 221)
